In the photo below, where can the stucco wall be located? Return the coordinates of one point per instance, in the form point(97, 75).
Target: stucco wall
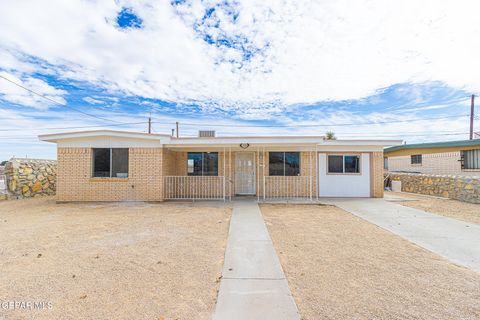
point(434, 163)
point(26, 178)
point(464, 188)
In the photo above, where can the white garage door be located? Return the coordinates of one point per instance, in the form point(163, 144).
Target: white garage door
point(346, 184)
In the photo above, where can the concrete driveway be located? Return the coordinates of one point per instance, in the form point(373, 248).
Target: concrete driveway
point(453, 239)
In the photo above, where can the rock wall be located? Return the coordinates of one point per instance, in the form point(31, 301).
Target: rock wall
point(464, 188)
point(30, 178)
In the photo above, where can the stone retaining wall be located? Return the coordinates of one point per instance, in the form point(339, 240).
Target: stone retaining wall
point(464, 188)
point(30, 178)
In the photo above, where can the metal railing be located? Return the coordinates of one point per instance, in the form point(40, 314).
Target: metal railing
point(285, 187)
point(194, 188)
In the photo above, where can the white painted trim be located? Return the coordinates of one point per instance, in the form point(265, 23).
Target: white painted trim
point(191, 142)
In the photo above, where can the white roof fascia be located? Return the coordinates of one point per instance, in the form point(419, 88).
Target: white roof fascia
point(383, 143)
point(101, 133)
point(250, 140)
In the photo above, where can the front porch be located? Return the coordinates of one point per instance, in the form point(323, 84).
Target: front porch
point(221, 173)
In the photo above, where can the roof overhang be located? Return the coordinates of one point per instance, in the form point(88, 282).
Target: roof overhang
point(102, 138)
point(56, 137)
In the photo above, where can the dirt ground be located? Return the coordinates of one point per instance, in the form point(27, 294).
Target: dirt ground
point(341, 267)
point(111, 261)
point(469, 212)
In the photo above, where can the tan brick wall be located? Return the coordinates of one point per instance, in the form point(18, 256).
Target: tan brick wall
point(376, 174)
point(76, 184)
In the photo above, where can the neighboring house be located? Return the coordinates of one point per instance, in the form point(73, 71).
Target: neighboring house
point(450, 157)
point(116, 166)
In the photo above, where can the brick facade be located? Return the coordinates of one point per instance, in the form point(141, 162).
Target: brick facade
point(376, 174)
point(433, 163)
point(148, 166)
point(75, 182)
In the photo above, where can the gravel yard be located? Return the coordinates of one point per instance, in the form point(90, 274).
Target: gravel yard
point(469, 212)
point(341, 267)
point(111, 261)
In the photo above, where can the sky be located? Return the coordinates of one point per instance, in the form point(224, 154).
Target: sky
point(364, 69)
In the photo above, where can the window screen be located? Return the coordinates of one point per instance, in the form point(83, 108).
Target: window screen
point(292, 163)
point(284, 163)
point(343, 164)
point(275, 164)
point(416, 159)
point(202, 164)
point(194, 163)
point(110, 162)
point(101, 163)
point(471, 159)
point(210, 164)
point(352, 164)
point(120, 163)
point(335, 164)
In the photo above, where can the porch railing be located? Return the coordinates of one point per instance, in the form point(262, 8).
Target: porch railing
point(194, 187)
point(285, 188)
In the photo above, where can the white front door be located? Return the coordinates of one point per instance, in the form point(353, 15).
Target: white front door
point(245, 173)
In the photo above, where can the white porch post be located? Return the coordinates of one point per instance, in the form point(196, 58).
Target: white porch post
point(317, 176)
point(224, 171)
point(230, 185)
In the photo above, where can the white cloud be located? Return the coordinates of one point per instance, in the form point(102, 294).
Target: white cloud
point(18, 95)
point(308, 51)
point(91, 100)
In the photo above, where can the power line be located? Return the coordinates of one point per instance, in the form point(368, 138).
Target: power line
point(317, 125)
point(56, 102)
point(80, 127)
point(359, 135)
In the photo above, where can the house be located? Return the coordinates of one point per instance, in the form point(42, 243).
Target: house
point(449, 157)
point(107, 165)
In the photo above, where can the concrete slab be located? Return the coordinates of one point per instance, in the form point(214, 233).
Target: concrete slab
point(255, 300)
point(253, 284)
point(456, 240)
point(252, 260)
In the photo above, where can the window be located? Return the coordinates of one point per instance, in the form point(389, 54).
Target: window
point(470, 159)
point(110, 162)
point(202, 164)
point(416, 159)
point(343, 164)
point(284, 163)
point(385, 163)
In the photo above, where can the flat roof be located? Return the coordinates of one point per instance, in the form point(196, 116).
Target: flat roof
point(443, 144)
point(218, 140)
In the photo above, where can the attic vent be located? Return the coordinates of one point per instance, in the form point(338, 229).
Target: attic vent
point(206, 133)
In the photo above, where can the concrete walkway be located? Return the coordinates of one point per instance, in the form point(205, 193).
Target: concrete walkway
point(253, 285)
point(453, 239)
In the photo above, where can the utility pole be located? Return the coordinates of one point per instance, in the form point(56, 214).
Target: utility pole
point(177, 128)
point(149, 125)
point(472, 113)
